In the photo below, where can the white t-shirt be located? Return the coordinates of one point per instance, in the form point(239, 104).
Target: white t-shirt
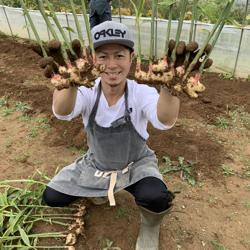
point(142, 102)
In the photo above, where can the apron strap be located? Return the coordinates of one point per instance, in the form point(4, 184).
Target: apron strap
point(111, 197)
point(127, 111)
point(94, 110)
point(112, 181)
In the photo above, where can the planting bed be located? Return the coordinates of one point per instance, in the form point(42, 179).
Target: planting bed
point(212, 135)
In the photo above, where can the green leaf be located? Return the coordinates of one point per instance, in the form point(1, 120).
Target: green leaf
point(68, 29)
point(1, 221)
point(24, 236)
point(3, 199)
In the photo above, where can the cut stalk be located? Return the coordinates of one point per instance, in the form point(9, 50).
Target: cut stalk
point(201, 68)
point(54, 17)
point(78, 27)
point(223, 16)
point(26, 12)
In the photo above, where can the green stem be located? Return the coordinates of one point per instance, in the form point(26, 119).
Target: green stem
point(22, 180)
point(179, 29)
point(40, 206)
point(169, 28)
point(36, 247)
point(138, 12)
point(191, 31)
point(46, 19)
point(26, 12)
point(201, 68)
point(51, 29)
point(78, 28)
point(194, 11)
point(223, 16)
point(151, 54)
point(41, 235)
point(54, 17)
point(48, 220)
point(84, 11)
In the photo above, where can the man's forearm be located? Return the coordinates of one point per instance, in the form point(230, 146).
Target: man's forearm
point(167, 107)
point(64, 100)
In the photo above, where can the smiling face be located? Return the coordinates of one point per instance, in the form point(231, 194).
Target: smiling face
point(117, 60)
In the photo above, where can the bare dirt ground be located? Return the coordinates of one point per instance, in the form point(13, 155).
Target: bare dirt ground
point(212, 135)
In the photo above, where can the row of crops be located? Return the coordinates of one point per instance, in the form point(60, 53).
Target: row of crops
point(209, 10)
point(179, 68)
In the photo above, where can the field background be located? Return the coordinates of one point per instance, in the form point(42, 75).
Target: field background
point(212, 135)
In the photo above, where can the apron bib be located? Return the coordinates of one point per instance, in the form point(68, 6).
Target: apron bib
point(117, 157)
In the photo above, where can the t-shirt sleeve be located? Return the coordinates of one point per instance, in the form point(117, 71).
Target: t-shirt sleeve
point(148, 98)
point(82, 99)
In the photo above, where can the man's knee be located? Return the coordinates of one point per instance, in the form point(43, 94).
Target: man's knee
point(54, 198)
point(48, 197)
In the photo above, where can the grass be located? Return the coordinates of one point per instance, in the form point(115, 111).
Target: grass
point(22, 158)
point(222, 122)
point(122, 213)
point(21, 106)
point(218, 246)
point(8, 109)
point(37, 125)
point(236, 118)
point(186, 169)
point(21, 209)
point(227, 171)
point(109, 245)
point(246, 204)
point(227, 76)
point(4, 101)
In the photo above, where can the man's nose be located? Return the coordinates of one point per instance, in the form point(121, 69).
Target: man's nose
point(111, 62)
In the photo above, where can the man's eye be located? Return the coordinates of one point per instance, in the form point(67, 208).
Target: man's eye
point(120, 56)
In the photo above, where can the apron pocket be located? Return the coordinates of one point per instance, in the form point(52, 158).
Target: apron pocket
point(90, 177)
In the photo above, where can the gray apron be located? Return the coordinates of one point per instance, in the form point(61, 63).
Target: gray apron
point(117, 157)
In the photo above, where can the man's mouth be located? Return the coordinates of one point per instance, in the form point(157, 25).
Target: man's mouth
point(113, 73)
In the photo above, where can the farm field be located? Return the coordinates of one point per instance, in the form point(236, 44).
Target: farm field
point(212, 135)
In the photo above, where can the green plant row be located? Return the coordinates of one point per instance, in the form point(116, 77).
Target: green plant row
point(209, 10)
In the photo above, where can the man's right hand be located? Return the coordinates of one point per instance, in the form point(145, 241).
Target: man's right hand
point(68, 69)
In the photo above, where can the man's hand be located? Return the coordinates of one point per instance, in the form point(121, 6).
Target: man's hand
point(66, 68)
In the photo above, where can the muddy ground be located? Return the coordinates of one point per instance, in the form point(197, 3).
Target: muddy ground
point(212, 135)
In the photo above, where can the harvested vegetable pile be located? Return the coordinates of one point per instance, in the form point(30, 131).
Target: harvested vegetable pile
point(21, 210)
point(183, 63)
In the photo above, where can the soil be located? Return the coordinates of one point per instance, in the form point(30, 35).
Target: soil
point(211, 134)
